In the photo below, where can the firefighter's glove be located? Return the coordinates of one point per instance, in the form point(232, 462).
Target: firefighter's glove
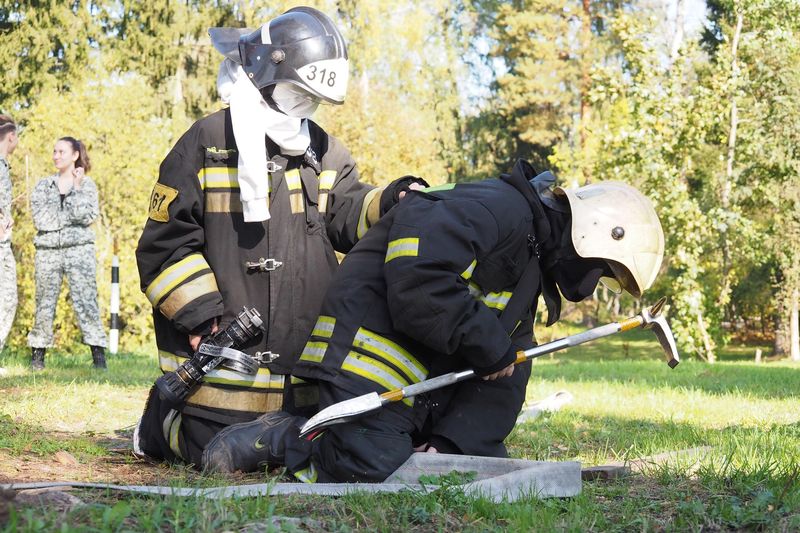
point(391, 194)
point(206, 328)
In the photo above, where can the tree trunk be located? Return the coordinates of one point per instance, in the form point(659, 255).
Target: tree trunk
point(706, 338)
point(677, 37)
point(794, 325)
point(586, 110)
point(727, 184)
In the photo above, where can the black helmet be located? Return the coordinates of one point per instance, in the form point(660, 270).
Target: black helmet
point(302, 47)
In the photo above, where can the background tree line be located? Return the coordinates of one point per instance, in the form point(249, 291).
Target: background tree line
point(593, 89)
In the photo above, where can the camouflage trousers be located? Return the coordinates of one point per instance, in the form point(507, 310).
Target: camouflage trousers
point(8, 290)
point(78, 264)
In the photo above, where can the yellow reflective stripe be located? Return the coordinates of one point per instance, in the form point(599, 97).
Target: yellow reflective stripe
point(391, 352)
point(264, 379)
point(408, 247)
point(174, 434)
point(218, 177)
point(496, 300)
point(314, 351)
point(324, 327)
point(171, 276)
point(443, 187)
point(363, 218)
point(307, 475)
point(375, 371)
point(470, 269)
point(292, 178)
point(298, 381)
point(186, 293)
point(326, 179)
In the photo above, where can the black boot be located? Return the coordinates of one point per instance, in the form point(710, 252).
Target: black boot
point(98, 356)
point(249, 446)
point(37, 358)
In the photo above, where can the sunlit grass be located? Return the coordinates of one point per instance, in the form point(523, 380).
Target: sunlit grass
point(741, 418)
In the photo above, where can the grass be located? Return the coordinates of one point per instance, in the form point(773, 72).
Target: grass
point(627, 404)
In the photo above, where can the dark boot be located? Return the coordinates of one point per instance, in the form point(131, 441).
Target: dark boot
point(98, 357)
point(249, 446)
point(37, 358)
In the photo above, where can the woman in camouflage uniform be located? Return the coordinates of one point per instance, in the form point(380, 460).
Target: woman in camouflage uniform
point(63, 206)
point(8, 267)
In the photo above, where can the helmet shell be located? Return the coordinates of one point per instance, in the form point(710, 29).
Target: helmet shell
point(302, 47)
point(615, 222)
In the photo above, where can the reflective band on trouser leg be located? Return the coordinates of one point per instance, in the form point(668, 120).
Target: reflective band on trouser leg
point(377, 372)
point(408, 247)
point(171, 429)
point(326, 180)
point(308, 474)
point(390, 352)
point(263, 379)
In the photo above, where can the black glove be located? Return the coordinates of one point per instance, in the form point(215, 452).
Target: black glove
point(391, 194)
point(204, 329)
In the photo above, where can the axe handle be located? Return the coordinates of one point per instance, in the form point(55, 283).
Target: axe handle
point(522, 356)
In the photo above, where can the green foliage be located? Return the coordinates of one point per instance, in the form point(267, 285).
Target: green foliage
point(116, 117)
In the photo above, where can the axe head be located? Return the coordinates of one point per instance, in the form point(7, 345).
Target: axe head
point(655, 321)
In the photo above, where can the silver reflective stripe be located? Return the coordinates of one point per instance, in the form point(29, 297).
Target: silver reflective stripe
point(173, 276)
point(408, 247)
point(470, 269)
point(324, 327)
point(496, 300)
point(314, 352)
point(262, 380)
point(391, 352)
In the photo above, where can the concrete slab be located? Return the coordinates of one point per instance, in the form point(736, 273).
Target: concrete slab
point(495, 478)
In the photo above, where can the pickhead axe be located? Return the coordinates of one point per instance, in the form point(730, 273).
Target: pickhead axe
point(355, 407)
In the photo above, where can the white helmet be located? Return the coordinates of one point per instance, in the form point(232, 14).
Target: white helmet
point(615, 222)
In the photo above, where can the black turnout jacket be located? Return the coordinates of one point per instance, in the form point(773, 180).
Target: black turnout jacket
point(199, 260)
point(422, 294)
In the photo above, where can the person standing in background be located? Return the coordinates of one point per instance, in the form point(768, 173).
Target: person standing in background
point(8, 266)
point(64, 205)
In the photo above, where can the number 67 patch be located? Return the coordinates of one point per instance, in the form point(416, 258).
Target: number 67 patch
point(160, 199)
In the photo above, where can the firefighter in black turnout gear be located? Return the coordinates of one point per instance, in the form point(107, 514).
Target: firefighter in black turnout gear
point(249, 207)
point(448, 279)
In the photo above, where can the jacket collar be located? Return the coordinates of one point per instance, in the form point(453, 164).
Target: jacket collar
point(520, 178)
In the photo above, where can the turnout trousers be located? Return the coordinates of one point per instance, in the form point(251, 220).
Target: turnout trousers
point(471, 417)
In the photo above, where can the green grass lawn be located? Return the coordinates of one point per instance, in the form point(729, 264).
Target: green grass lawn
point(627, 404)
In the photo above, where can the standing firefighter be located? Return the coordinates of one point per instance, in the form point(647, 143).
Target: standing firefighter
point(248, 209)
point(448, 279)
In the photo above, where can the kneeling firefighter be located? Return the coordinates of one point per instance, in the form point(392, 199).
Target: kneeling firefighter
point(449, 278)
point(250, 206)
